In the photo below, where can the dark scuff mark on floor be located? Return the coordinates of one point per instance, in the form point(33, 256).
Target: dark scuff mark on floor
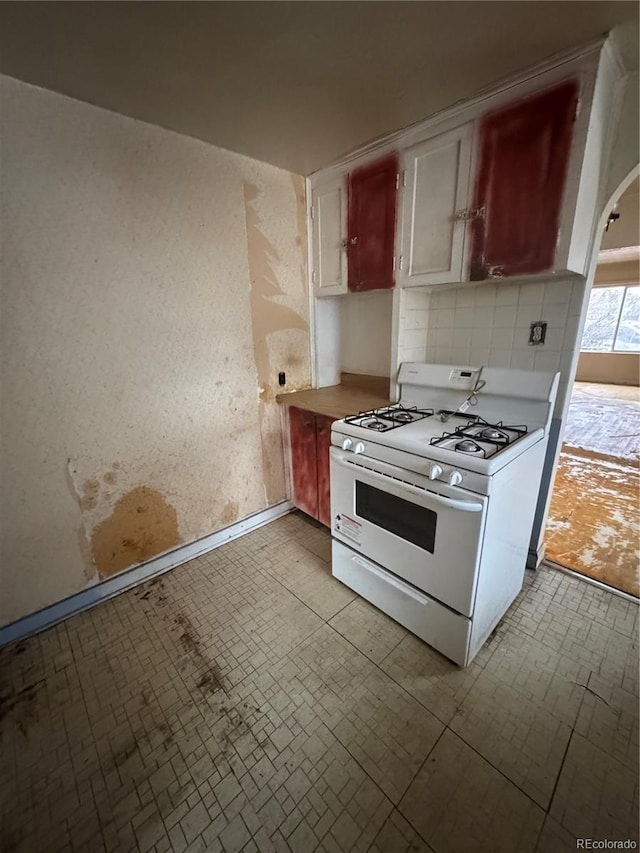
point(216, 693)
point(158, 724)
point(22, 701)
point(210, 676)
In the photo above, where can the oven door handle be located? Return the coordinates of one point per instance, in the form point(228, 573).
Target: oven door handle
point(449, 503)
point(389, 579)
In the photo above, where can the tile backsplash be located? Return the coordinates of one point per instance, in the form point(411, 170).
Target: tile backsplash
point(488, 325)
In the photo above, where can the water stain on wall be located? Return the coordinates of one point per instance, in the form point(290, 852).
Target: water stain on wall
point(142, 525)
point(267, 317)
point(229, 513)
point(297, 181)
point(89, 494)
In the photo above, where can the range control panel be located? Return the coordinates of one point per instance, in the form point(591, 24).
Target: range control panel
point(464, 377)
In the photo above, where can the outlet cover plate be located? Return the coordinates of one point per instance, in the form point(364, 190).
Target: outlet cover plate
point(537, 333)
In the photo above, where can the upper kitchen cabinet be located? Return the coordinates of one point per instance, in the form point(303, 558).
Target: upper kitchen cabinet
point(508, 185)
point(371, 224)
point(435, 180)
point(328, 220)
point(524, 153)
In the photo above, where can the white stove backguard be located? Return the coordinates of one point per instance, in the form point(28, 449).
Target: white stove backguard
point(512, 396)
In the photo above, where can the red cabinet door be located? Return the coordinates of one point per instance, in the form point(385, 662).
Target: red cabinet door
point(524, 154)
point(371, 224)
point(323, 443)
point(304, 464)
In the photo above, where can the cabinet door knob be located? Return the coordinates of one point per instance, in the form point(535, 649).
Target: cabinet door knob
point(496, 272)
point(349, 242)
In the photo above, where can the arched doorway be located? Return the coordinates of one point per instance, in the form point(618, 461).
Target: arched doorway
point(592, 523)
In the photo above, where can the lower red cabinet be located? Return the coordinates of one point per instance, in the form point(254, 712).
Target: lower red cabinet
point(310, 436)
point(323, 443)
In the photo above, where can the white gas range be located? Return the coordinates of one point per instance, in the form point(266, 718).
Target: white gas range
point(433, 499)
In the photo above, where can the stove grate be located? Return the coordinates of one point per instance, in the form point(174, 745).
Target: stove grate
point(389, 417)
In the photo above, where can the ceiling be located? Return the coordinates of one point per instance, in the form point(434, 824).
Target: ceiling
point(296, 84)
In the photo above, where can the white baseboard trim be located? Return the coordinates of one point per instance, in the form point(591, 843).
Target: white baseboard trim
point(93, 595)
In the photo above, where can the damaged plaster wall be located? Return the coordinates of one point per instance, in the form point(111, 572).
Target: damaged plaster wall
point(153, 287)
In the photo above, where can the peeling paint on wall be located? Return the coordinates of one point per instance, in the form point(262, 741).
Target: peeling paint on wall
point(268, 317)
point(152, 361)
point(89, 567)
point(137, 527)
point(142, 525)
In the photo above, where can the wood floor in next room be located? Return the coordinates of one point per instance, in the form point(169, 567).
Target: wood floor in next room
point(593, 518)
point(248, 701)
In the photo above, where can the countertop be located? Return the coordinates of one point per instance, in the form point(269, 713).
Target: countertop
point(355, 393)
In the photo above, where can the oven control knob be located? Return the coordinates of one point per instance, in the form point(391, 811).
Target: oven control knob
point(454, 478)
point(359, 448)
point(435, 472)
point(346, 444)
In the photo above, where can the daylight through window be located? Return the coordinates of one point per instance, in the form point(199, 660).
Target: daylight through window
point(613, 320)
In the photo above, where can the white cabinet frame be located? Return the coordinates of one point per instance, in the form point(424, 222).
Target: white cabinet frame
point(434, 209)
point(328, 228)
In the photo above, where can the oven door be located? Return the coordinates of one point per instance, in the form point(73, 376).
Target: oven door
point(431, 537)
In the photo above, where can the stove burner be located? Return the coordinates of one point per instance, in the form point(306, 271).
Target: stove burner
point(477, 437)
point(492, 434)
point(467, 445)
point(402, 417)
point(388, 417)
point(375, 424)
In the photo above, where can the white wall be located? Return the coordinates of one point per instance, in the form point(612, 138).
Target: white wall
point(624, 156)
point(365, 332)
point(626, 230)
point(152, 288)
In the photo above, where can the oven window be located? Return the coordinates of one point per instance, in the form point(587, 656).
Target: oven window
point(407, 520)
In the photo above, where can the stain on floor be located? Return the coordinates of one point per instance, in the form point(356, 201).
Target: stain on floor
point(593, 518)
point(109, 742)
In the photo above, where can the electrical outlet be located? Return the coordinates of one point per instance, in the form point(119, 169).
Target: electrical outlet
point(537, 333)
point(282, 379)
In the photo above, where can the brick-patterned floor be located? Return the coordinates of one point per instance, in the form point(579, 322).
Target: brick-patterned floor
point(247, 701)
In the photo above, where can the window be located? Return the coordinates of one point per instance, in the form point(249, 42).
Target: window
point(613, 320)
